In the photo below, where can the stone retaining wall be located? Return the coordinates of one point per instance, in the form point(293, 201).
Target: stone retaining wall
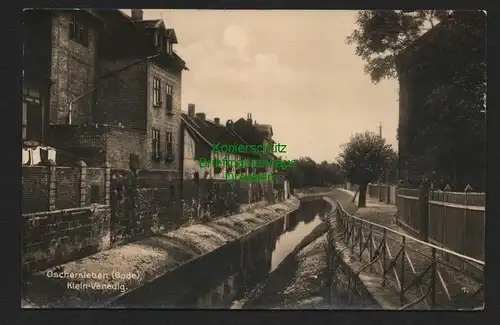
point(123, 269)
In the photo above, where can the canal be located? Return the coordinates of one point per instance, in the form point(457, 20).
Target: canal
point(233, 274)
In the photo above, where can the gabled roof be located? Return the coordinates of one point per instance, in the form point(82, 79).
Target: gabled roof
point(123, 30)
point(266, 128)
point(248, 132)
point(158, 24)
point(149, 23)
point(211, 133)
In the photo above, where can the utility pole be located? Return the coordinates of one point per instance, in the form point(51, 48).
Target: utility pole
point(386, 172)
point(380, 135)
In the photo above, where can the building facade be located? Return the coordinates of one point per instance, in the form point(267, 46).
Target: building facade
point(103, 87)
point(200, 134)
point(59, 59)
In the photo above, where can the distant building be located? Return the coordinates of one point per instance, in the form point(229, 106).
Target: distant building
point(256, 134)
point(200, 134)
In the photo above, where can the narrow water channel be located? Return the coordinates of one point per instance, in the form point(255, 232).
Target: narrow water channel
point(231, 275)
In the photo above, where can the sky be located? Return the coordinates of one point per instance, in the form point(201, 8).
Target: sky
point(290, 69)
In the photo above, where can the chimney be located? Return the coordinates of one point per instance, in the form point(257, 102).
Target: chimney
point(249, 118)
point(137, 14)
point(217, 121)
point(201, 116)
point(191, 110)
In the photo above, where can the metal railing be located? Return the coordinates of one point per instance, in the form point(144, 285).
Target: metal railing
point(414, 269)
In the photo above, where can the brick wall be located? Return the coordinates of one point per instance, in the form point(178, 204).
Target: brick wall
point(121, 143)
point(128, 211)
point(35, 195)
point(72, 69)
point(123, 95)
point(96, 184)
point(138, 209)
point(67, 187)
point(79, 143)
point(99, 145)
point(48, 188)
point(55, 237)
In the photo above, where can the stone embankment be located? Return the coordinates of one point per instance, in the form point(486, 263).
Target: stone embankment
point(100, 279)
point(301, 280)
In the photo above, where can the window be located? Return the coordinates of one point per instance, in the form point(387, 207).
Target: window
point(169, 141)
point(156, 143)
point(168, 47)
point(158, 40)
point(157, 92)
point(78, 32)
point(25, 119)
point(170, 104)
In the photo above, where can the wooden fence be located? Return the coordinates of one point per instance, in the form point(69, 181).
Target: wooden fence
point(461, 198)
point(385, 193)
point(456, 220)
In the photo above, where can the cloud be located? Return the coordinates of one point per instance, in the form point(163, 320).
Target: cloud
point(217, 67)
point(235, 37)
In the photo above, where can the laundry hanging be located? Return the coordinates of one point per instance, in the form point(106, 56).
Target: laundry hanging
point(52, 154)
point(35, 156)
point(26, 157)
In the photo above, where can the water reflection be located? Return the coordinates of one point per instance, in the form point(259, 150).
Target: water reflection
point(233, 272)
point(299, 224)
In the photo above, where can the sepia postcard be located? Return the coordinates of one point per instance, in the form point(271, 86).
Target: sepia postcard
point(239, 159)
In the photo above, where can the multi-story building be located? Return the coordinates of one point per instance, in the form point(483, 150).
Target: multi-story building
point(109, 87)
point(59, 56)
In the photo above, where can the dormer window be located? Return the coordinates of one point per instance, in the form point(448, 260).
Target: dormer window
point(158, 40)
point(168, 47)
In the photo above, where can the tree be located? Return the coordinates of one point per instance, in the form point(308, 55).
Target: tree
point(363, 160)
point(382, 34)
point(448, 127)
point(308, 173)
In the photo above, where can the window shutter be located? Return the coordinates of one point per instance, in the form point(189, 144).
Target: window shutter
point(169, 102)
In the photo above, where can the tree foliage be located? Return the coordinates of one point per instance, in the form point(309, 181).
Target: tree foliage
point(448, 85)
point(365, 157)
point(309, 173)
point(382, 34)
point(450, 127)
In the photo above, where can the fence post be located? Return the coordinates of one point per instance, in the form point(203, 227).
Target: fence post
point(467, 189)
point(51, 181)
point(82, 182)
point(424, 211)
point(107, 183)
point(399, 202)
